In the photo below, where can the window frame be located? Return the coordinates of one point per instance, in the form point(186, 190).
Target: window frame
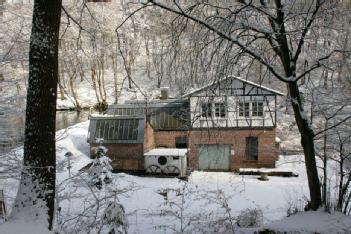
point(257, 109)
point(206, 109)
point(251, 109)
point(244, 109)
point(209, 110)
point(220, 110)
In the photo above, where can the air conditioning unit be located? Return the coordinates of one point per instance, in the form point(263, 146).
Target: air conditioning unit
point(169, 161)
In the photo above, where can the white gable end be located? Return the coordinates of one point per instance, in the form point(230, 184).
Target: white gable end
point(233, 102)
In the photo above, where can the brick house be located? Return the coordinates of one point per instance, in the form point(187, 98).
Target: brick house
point(225, 125)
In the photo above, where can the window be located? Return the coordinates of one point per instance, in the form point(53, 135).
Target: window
point(244, 109)
point(257, 109)
point(251, 151)
point(220, 110)
point(213, 109)
point(181, 142)
point(247, 109)
point(241, 109)
point(117, 129)
point(206, 109)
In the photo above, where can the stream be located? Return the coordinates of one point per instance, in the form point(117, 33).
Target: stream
point(12, 125)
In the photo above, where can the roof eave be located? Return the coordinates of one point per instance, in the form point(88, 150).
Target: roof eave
point(235, 77)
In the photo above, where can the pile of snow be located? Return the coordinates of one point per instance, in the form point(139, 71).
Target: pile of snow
point(166, 152)
point(73, 140)
point(21, 226)
point(313, 222)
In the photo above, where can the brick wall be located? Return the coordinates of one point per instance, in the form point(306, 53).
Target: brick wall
point(131, 156)
point(267, 148)
point(167, 138)
point(124, 156)
point(149, 139)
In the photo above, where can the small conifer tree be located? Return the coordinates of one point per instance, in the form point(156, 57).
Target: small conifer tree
point(101, 169)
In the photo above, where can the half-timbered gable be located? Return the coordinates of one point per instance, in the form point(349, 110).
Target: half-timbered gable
point(233, 103)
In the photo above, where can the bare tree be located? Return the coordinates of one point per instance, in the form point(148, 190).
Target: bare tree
point(236, 30)
point(37, 186)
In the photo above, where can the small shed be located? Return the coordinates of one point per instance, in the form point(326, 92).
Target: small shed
point(123, 136)
point(172, 161)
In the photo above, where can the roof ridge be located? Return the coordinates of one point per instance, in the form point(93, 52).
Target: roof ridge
point(231, 77)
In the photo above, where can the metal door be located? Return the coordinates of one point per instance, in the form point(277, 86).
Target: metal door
point(214, 157)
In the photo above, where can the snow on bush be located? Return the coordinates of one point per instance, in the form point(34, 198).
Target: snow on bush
point(100, 169)
point(114, 217)
point(250, 218)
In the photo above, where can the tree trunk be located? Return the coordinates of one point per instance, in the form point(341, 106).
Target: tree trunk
point(99, 81)
point(62, 91)
point(325, 180)
point(102, 78)
point(307, 142)
point(36, 194)
point(341, 182)
point(93, 80)
point(73, 92)
point(115, 81)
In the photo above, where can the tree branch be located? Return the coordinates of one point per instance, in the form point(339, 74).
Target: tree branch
point(227, 37)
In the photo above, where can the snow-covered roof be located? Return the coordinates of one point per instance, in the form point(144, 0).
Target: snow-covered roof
point(232, 77)
point(109, 116)
point(166, 152)
point(155, 102)
point(162, 114)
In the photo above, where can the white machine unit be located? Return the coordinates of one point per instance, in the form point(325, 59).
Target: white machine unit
point(166, 161)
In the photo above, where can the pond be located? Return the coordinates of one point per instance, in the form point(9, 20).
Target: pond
point(64, 119)
point(12, 125)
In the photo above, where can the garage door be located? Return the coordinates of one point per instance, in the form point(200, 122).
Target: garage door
point(214, 157)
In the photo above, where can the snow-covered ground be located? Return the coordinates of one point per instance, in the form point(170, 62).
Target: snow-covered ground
point(313, 222)
point(209, 202)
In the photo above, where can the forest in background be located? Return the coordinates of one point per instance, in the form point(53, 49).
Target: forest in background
point(106, 56)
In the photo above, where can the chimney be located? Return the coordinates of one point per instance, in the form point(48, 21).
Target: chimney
point(164, 93)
